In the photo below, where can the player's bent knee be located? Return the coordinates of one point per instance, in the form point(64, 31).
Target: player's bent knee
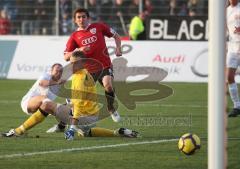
point(43, 112)
point(43, 106)
point(108, 88)
point(47, 106)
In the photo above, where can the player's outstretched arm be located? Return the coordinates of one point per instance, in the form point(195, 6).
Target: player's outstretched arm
point(46, 83)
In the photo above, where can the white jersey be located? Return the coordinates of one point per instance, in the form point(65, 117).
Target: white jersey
point(233, 20)
point(38, 90)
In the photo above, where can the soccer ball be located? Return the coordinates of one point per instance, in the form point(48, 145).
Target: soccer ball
point(189, 143)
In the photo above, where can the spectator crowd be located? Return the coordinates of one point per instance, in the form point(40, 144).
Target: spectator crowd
point(38, 17)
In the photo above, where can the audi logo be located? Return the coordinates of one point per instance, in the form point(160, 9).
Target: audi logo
point(201, 57)
point(126, 48)
point(89, 40)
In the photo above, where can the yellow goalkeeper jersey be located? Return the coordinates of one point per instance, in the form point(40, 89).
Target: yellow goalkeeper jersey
point(84, 94)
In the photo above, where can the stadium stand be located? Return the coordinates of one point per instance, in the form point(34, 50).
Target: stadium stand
point(54, 17)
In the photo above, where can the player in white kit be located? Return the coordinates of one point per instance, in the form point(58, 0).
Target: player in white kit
point(233, 54)
point(38, 102)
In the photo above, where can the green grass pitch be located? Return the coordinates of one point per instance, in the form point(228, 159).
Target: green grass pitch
point(159, 122)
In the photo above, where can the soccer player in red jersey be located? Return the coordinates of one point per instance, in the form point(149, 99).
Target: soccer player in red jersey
point(90, 39)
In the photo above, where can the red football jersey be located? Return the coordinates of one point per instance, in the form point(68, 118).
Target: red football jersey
point(92, 36)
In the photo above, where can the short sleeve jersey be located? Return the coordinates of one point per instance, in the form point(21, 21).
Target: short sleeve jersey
point(233, 20)
point(38, 90)
point(94, 37)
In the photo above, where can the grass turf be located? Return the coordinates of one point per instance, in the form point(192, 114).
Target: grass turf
point(169, 118)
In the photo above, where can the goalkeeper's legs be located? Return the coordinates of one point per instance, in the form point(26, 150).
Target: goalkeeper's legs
point(86, 126)
point(101, 132)
point(121, 132)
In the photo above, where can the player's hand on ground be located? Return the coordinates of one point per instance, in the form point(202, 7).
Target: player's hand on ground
point(118, 51)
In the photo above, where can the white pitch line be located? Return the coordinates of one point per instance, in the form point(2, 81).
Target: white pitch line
point(85, 148)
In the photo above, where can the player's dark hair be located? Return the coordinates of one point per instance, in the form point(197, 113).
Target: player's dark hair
point(77, 59)
point(56, 64)
point(78, 54)
point(80, 10)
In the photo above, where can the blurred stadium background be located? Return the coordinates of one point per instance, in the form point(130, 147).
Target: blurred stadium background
point(54, 17)
point(177, 41)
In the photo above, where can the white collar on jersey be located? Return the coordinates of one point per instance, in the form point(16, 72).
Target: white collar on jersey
point(78, 29)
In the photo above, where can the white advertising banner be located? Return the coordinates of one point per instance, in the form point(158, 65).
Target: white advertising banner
point(34, 55)
point(184, 61)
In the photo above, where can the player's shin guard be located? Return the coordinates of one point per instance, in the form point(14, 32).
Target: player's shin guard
point(101, 132)
point(33, 120)
point(110, 96)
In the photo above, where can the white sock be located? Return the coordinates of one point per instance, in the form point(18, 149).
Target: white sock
point(62, 113)
point(233, 90)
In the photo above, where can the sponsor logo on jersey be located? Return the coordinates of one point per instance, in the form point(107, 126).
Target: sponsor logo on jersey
point(89, 40)
point(93, 30)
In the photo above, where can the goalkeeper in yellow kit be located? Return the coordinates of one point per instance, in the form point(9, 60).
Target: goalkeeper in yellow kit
point(85, 105)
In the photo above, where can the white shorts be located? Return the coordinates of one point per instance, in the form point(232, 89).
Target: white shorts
point(24, 104)
point(233, 60)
